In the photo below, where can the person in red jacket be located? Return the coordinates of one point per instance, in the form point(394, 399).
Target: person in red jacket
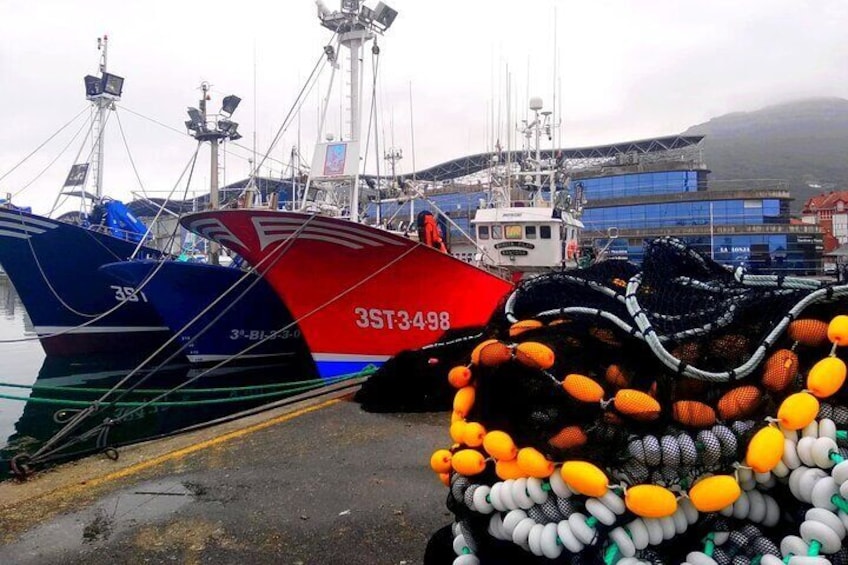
point(429, 233)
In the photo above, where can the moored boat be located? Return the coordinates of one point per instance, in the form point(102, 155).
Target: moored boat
point(249, 322)
point(358, 294)
point(53, 264)
point(74, 308)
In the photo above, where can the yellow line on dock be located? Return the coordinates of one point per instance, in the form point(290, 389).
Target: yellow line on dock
point(179, 453)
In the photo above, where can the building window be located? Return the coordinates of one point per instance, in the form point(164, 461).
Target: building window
point(497, 232)
point(513, 232)
point(530, 232)
point(483, 232)
point(545, 232)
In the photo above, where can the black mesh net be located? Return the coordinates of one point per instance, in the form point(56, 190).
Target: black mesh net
point(659, 374)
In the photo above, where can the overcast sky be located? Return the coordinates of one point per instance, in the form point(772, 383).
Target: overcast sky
point(627, 70)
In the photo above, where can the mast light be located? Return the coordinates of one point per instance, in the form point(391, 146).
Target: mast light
point(106, 86)
point(113, 84)
point(196, 120)
point(384, 15)
point(229, 104)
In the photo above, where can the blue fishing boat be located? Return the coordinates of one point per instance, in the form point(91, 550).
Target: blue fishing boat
point(53, 264)
point(75, 309)
point(249, 321)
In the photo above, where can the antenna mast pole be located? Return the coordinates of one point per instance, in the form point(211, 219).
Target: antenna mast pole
point(102, 104)
point(356, 25)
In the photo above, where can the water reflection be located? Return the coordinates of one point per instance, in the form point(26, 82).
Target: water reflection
point(35, 390)
point(64, 386)
point(10, 299)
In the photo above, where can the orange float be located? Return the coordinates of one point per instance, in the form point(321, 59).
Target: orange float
point(738, 402)
point(779, 370)
point(636, 404)
point(693, 413)
point(535, 355)
point(499, 445)
point(522, 326)
point(583, 388)
point(459, 376)
point(568, 438)
point(808, 331)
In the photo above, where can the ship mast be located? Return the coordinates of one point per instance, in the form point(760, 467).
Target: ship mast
point(103, 92)
point(214, 128)
point(356, 25)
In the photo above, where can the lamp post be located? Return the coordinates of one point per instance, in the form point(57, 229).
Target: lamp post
point(213, 128)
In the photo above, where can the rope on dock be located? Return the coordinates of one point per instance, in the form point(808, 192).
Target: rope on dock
point(95, 390)
point(290, 388)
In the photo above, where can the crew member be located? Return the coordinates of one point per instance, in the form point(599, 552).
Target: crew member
point(429, 232)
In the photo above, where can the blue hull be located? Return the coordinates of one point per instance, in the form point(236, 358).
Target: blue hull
point(54, 268)
point(180, 291)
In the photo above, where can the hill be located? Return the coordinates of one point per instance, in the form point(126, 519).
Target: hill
point(802, 142)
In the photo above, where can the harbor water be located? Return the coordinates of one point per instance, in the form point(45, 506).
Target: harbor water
point(38, 393)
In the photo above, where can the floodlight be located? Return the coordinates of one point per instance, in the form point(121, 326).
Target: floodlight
point(227, 127)
point(350, 6)
point(113, 84)
point(384, 15)
point(230, 104)
point(366, 14)
point(92, 85)
point(535, 103)
point(189, 124)
point(196, 119)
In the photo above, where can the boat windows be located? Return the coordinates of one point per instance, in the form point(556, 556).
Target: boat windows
point(545, 232)
point(483, 232)
point(530, 232)
point(513, 232)
point(497, 232)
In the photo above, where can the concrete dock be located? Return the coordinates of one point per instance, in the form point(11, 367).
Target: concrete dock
point(318, 482)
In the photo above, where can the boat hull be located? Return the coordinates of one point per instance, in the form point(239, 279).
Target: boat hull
point(359, 294)
point(54, 268)
point(244, 318)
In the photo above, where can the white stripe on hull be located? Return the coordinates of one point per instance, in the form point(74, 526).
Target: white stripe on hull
point(47, 330)
point(350, 357)
point(15, 234)
point(20, 219)
point(269, 223)
point(210, 358)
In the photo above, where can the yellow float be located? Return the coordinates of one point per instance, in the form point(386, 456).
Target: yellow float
point(650, 501)
point(584, 478)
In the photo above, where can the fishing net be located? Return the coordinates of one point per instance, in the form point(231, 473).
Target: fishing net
point(669, 413)
point(413, 381)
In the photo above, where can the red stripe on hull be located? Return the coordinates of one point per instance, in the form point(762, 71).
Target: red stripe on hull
point(357, 290)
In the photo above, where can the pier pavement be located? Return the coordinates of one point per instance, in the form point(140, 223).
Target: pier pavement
point(319, 482)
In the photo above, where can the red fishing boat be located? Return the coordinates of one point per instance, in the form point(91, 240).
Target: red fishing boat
point(359, 294)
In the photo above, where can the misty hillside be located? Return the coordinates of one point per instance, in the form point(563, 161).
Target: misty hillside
point(801, 142)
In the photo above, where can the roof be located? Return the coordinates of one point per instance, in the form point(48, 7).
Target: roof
point(471, 164)
point(826, 201)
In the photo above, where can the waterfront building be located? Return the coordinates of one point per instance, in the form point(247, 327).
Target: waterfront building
point(830, 212)
point(634, 192)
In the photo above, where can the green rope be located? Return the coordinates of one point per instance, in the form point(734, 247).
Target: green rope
point(315, 383)
point(163, 390)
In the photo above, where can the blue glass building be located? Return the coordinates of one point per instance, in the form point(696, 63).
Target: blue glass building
point(639, 191)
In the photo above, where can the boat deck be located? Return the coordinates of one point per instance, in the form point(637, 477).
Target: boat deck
point(319, 482)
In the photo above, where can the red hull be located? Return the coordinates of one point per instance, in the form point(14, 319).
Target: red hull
point(358, 293)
